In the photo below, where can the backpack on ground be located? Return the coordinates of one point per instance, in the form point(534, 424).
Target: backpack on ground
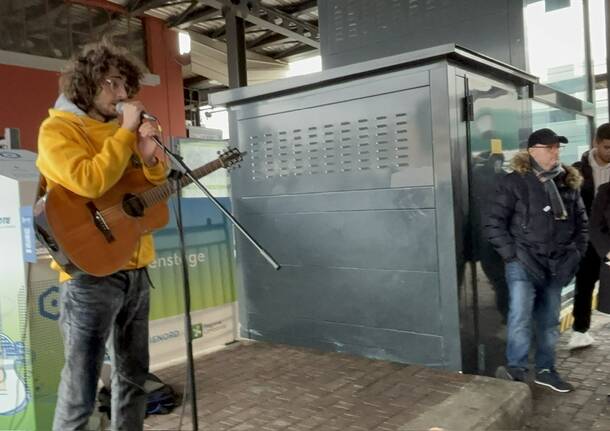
point(161, 398)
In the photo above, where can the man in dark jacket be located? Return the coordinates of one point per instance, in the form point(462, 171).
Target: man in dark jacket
point(595, 169)
point(538, 224)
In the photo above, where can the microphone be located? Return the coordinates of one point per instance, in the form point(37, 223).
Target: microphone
point(119, 108)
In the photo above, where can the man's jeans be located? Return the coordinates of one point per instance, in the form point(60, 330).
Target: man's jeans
point(93, 311)
point(531, 298)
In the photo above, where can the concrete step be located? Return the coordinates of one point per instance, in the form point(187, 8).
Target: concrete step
point(482, 404)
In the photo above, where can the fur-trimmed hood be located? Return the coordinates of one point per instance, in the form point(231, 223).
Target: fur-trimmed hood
point(522, 165)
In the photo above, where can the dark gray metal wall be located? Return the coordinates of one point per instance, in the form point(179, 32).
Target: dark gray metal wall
point(352, 31)
point(349, 187)
point(357, 182)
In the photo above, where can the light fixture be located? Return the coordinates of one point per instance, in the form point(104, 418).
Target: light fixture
point(184, 43)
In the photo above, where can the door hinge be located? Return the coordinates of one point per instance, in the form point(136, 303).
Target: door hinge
point(468, 108)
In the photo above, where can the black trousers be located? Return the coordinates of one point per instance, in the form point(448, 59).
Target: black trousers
point(587, 275)
point(603, 298)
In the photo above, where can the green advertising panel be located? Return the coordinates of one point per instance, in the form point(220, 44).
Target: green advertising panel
point(207, 239)
point(208, 255)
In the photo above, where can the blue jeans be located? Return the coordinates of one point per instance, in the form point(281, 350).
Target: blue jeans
point(95, 311)
point(531, 302)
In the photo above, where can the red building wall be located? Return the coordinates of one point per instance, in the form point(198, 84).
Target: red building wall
point(26, 94)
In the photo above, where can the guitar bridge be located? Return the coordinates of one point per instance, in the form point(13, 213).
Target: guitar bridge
point(100, 223)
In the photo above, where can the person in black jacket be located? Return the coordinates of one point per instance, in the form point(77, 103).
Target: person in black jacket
point(538, 224)
point(595, 169)
point(600, 238)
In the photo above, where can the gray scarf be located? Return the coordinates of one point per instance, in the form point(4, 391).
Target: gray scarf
point(546, 178)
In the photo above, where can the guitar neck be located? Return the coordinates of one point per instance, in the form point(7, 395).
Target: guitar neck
point(161, 193)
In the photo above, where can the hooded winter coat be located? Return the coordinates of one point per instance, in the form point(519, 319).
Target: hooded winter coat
point(521, 225)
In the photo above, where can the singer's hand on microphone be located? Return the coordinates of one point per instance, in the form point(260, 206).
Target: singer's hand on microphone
point(132, 114)
point(146, 145)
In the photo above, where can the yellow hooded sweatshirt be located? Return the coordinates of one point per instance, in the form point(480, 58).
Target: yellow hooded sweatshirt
point(88, 157)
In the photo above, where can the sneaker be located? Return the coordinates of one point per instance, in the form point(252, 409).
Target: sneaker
point(511, 373)
point(578, 340)
point(551, 379)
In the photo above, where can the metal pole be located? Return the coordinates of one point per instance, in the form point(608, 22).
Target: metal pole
point(188, 333)
point(607, 14)
point(236, 48)
point(589, 72)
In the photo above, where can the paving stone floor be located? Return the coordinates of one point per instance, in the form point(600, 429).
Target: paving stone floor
point(261, 386)
point(588, 407)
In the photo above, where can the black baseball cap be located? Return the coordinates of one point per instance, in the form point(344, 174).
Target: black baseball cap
point(545, 137)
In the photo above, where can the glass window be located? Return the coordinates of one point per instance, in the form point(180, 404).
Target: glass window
point(598, 53)
point(556, 54)
point(555, 45)
point(573, 126)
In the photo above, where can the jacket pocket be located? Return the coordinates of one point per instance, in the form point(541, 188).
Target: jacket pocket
point(568, 265)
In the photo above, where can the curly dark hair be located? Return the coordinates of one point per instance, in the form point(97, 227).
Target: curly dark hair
point(80, 80)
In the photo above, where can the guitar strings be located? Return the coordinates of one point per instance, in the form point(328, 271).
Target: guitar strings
point(116, 213)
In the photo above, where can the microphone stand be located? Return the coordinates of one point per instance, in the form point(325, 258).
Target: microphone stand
point(177, 161)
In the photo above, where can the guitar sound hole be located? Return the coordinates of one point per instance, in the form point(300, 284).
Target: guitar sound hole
point(133, 206)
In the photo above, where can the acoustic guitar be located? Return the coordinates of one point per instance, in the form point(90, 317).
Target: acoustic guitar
point(99, 236)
